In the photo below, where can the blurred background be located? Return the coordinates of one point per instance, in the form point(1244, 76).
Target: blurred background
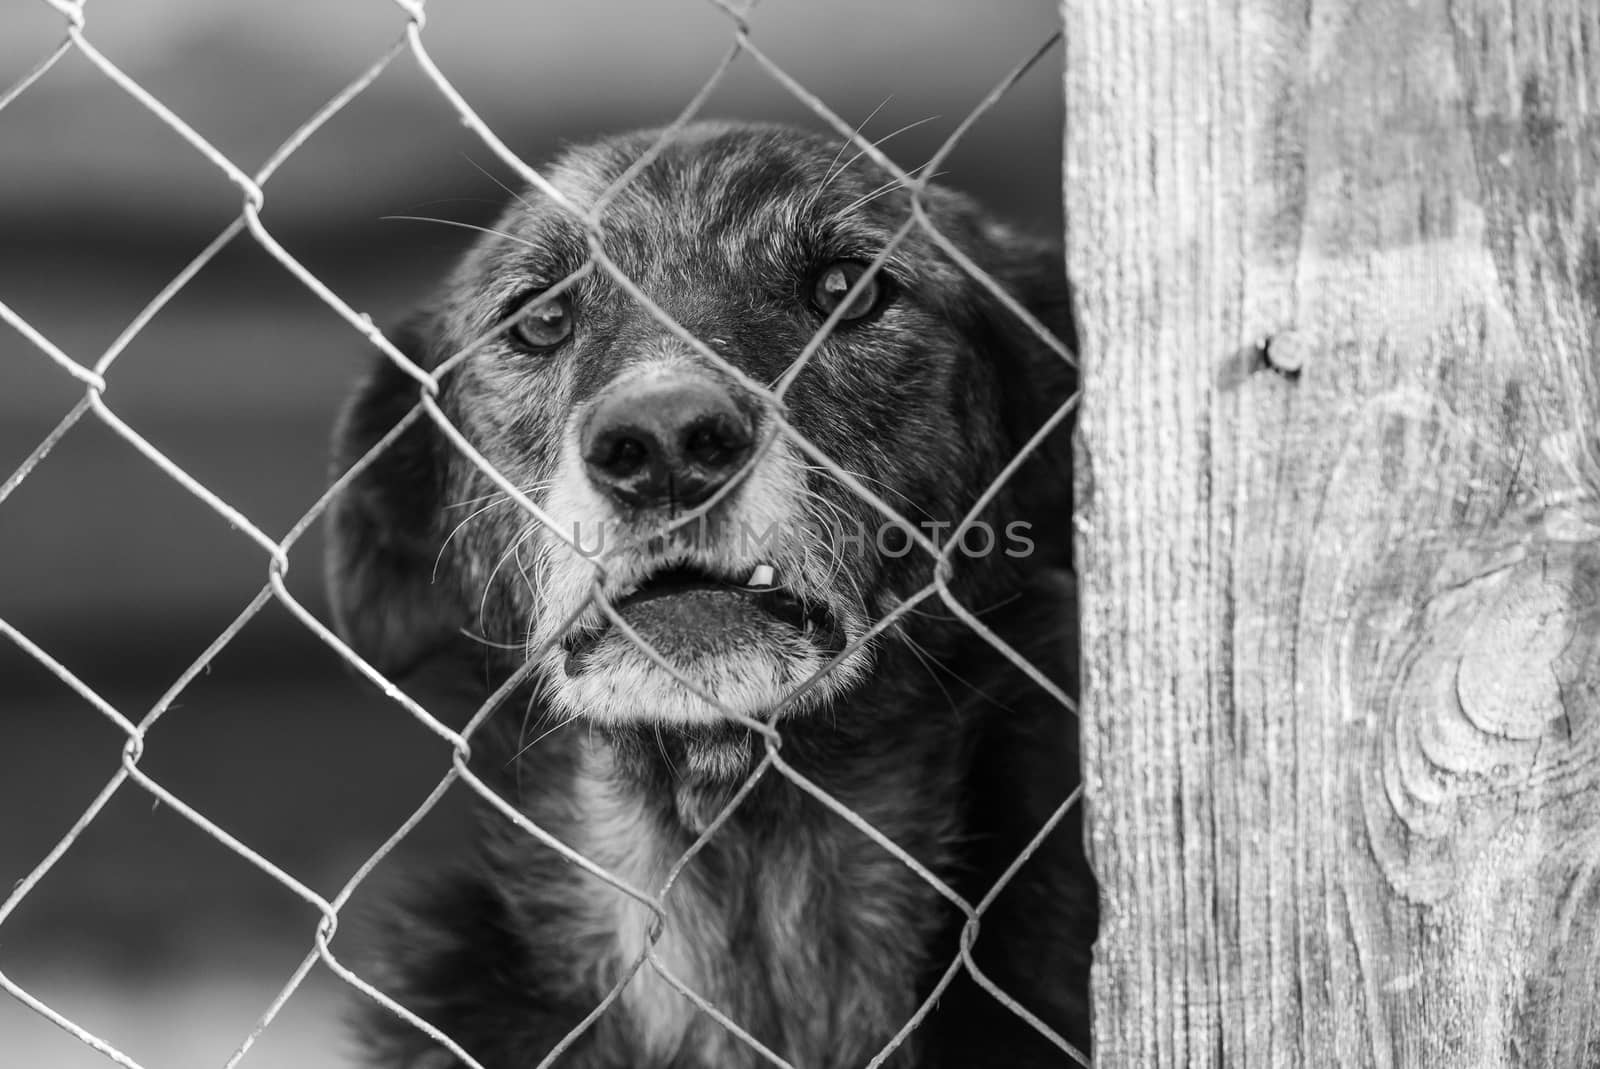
point(148, 932)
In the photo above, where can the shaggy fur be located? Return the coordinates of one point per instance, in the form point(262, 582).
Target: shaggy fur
point(792, 922)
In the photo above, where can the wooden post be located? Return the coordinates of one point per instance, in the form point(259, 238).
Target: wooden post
point(1338, 264)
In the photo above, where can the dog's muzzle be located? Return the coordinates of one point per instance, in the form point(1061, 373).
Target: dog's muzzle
point(652, 447)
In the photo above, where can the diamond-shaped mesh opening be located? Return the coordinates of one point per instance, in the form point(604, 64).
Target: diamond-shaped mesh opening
point(132, 775)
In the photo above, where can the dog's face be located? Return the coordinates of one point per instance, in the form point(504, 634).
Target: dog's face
point(679, 502)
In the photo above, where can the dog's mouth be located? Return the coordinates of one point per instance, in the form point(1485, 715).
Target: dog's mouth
point(688, 613)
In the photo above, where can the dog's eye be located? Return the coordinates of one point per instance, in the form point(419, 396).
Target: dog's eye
point(833, 285)
point(544, 326)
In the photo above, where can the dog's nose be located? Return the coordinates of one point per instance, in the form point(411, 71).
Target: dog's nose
point(664, 442)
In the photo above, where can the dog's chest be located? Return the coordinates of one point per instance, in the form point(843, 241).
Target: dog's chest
point(809, 948)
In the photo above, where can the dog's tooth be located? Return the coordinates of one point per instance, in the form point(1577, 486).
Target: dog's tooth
point(762, 576)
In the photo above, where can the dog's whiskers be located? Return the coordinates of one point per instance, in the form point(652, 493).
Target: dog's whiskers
point(862, 152)
point(661, 744)
point(438, 557)
point(883, 190)
point(518, 197)
point(500, 498)
point(828, 175)
point(863, 477)
point(482, 640)
point(496, 495)
point(522, 570)
point(464, 226)
point(543, 734)
point(930, 662)
point(538, 695)
point(527, 532)
point(953, 618)
point(828, 545)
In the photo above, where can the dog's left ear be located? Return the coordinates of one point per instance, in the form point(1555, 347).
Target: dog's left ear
point(1034, 380)
point(386, 527)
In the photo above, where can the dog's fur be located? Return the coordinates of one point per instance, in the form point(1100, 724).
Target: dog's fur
point(795, 924)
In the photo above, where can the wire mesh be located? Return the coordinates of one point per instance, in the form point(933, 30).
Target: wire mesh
point(94, 377)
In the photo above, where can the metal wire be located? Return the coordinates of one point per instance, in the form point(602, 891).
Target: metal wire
point(93, 376)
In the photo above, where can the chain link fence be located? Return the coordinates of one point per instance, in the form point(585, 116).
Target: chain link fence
point(95, 377)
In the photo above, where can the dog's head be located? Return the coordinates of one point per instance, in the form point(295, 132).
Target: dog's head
point(675, 490)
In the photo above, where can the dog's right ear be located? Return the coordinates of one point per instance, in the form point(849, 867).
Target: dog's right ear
point(386, 527)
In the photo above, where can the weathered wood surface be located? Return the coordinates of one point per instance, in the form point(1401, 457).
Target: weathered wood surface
point(1339, 488)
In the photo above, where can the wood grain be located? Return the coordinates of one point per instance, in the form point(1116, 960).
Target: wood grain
point(1339, 530)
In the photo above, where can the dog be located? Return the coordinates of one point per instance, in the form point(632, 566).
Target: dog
point(683, 511)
